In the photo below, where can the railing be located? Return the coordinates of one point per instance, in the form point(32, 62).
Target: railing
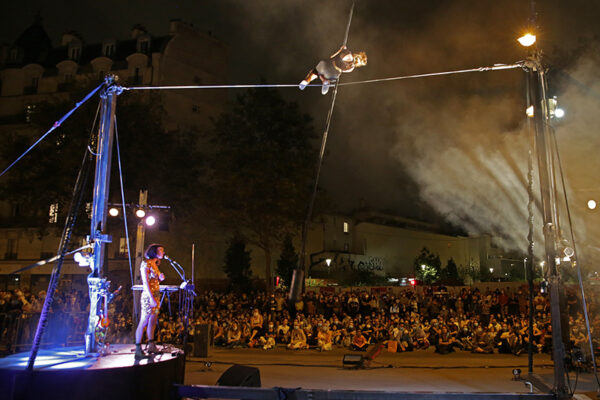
point(18, 329)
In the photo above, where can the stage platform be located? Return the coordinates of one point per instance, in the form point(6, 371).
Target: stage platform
point(66, 373)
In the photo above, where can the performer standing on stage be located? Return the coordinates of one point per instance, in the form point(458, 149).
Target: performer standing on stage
point(150, 299)
point(330, 70)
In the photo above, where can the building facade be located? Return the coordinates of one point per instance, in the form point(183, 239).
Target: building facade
point(33, 71)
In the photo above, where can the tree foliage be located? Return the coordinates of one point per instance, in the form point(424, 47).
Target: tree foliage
point(261, 169)
point(164, 163)
point(288, 260)
point(450, 273)
point(237, 264)
point(427, 266)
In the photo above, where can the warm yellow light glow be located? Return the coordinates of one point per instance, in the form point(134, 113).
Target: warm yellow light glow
point(529, 111)
point(559, 113)
point(422, 266)
point(591, 204)
point(527, 40)
point(328, 261)
point(113, 212)
point(491, 270)
point(140, 213)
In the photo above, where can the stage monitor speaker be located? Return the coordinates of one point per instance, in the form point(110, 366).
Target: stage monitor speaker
point(240, 375)
point(352, 361)
point(202, 338)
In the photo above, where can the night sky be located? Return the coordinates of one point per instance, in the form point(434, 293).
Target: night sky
point(452, 148)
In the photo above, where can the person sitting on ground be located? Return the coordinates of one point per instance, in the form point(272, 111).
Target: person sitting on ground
point(283, 332)
point(297, 338)
point(359, 342)
point(234, 334)
point(267, 341)
point(325, 339)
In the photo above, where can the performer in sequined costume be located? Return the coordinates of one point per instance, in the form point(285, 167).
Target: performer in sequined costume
point(150, 299)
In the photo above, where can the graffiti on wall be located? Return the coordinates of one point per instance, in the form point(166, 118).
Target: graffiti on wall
point(351, 262)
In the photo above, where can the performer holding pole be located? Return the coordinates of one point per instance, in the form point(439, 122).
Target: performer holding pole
point(150, 300)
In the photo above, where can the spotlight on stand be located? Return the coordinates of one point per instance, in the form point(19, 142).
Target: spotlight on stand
point(82, 260)
point(140, 213)
point(150, 220)
point(516, 374)
point(352, 361)
point(113, 212)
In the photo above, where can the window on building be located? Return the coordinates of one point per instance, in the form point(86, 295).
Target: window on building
point(74, 53)
point(11, 249)
point(108, 50)
point(346, 227)
point(53, 213)
point(29, 111)
point(137, 77)
point(123, 247)
point(144, 45)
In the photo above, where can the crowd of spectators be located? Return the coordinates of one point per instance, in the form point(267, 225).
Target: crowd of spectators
point(439, 318)
point(446, 320)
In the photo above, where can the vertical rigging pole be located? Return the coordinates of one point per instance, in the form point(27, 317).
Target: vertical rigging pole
point(538, 87)
point(98, 237)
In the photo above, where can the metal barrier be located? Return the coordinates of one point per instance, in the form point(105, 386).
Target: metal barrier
point(250, 393)
point(18, 329)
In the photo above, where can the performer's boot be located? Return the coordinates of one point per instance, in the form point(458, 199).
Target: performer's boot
point(152, 349)
point(303, 84)
point(139, 354)
point(325, 87)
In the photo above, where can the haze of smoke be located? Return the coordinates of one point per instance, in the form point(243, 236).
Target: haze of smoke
point(579, 141)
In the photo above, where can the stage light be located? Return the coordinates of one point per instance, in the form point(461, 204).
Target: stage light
point(140, 213)
point(113, 212)
point(150, 220)
point(491, 270)
point(328, 261)
point(423, 266)
point(568, 252)
point(559, 113)
point(591, 204)
point(516, 374)
point(529, 111)
point(527, 40)
point(82, 260)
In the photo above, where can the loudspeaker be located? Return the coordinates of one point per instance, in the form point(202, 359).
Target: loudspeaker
point(202, 337)
point(352, 361)
point(240, 375)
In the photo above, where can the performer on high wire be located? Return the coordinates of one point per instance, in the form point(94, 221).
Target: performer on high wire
point(330, 70)
point(150, 299)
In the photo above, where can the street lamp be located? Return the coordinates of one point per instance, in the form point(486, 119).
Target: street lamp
point(527, 40)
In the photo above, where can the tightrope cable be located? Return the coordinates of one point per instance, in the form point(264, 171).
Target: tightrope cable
point(495, 67)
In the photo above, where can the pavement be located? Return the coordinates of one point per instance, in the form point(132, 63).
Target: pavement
point(422, 370)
